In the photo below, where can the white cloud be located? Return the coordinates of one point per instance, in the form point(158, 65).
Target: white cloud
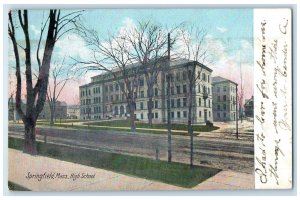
point(35, 30)
point(127, 25)
point(221, 29)
point(73, 46)
point(216, 48)
point(228, 65)
point(245, 51)
point(245, 44)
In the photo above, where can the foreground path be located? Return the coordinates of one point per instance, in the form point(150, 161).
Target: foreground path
point(21, 164)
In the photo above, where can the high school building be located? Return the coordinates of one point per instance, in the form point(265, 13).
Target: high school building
point(103, 98)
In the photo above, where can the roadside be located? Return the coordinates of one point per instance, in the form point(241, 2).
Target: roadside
point(223, 153)
point(104, 180)
point(220, 130)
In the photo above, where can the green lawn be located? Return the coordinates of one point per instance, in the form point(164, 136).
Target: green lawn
point(126, 123)
point(58, 120)
point(172, 173)
point(124, 127)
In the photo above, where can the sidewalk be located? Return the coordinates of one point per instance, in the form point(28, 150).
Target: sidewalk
point(20, 165)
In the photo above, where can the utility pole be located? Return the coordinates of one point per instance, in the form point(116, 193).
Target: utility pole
point(236, 114)
point(169, 119)
point(168, 105)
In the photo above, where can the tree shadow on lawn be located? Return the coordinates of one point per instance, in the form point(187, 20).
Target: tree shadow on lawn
point(178, 174)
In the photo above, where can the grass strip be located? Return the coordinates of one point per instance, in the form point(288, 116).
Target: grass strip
point(178, 174)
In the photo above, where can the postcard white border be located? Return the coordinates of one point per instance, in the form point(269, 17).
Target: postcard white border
point(128, 195)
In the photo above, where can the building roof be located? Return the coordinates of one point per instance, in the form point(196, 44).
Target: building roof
point(73, 106)
point(174, 63)
point(249, 100)
point(219, 79)
point(58, 103)
point(62, 103)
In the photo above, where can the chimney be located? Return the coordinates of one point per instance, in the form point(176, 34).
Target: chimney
point(169, 47)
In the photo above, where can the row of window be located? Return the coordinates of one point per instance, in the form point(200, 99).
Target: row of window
point(96, 90)
point(219, 107)
point(116, 87)
point(232, 98)
point(218, 89)
point(85, 102)
point(200, 114)
point(97, 99)
point(184, 114)
point(154, 115)
point(142, 105)
point(85, 93)
point(224, 116)
point(205, 89)
point(184, 76)
point(85, 110)
point(184, 89)
point(97, 109)
point(117, 97)
point(232, 107)
point(201, 102)
point(178, 103)
point(204, 102)
point(142, 93)
point(112, 87)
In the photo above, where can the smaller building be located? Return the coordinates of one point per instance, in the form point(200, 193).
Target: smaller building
point(249, 107)
point(224, 99)
point(60, 111)
point(73, 112)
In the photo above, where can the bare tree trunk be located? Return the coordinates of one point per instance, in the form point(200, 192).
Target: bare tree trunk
point(29, 140)
point(36, 94)
point(51, 116)
point(51, 106)
point(13, 111)
point(150, 106)
point(190, 128)
point(132, 116)
point(241, 114)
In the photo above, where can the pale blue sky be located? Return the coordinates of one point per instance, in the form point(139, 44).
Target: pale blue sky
point(230, 33)
point(227, 25)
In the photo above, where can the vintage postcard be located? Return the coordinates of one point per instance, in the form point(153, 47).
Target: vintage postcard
point(148, 99)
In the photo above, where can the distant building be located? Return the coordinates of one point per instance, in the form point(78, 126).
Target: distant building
point(60, 111)
point(103, 98)
point(73, 112)
point(224, 99)
point(12, 112)
point(249, 107)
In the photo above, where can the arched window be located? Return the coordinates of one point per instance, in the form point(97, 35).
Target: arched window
point(116, 110)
